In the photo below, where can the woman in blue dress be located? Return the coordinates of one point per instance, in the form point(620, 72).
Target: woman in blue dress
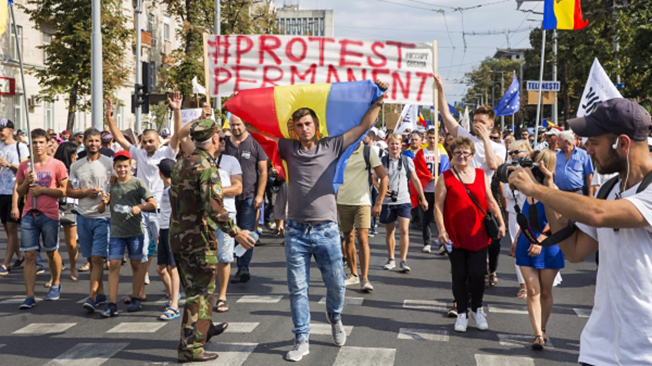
point(539, 265)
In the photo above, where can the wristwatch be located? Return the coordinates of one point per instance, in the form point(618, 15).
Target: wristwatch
point(380, 104)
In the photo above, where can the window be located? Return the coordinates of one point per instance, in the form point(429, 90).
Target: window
point(305, 27)
point(48, 107)
point(18, 111)
point(119, 118)
point(150, 22)
point(47, 39)
point(14, 51)
point(293, 27)
point(281, 25)
point(321, 27)
point(166, 27)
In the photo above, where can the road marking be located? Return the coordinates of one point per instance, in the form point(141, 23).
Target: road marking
point(365, 356)
point(325, 329)
point(231, 354)
point(357, 301)
point(426, 305)
point(241, 327)
point(87, 354)
point(423, 334)
point(18, 299)
point(507, 309)
point(136, 327)
point(2, 345)
point(492, 360)
point(520, 340)
point(45, 328)
point(582, 313)
point(83, 300)
point(269, 299)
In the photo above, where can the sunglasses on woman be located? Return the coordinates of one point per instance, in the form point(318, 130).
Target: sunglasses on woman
point(515, 152)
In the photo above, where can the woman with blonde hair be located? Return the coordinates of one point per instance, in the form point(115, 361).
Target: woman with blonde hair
point(539, 264)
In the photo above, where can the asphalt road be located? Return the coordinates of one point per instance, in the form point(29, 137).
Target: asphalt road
point(403, 322)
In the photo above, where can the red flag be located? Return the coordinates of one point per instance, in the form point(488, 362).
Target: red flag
point(424, 175)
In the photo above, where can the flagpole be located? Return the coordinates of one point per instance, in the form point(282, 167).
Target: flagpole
point(436, 107)
point(22, 77)
point(543, 54)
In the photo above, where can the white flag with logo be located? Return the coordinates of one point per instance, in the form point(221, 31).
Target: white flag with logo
point(598, 88)
point(465, 122)
point(196, 88)
point(408, 118)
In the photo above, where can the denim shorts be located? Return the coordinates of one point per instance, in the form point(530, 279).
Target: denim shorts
point(390, 213)
point(225, 244)
point(33, 228)
point(93, 236)
point(134, 244)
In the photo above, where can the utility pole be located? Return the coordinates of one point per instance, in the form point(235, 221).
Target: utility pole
point(96, 67)
point(139, 9)
point(218, 31)
point(555, 106)
point(616, 45)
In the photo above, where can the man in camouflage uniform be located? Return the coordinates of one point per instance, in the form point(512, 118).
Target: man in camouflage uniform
point(197, 210)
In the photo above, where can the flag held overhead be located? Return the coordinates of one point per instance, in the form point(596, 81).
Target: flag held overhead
point(563, 14)
point(511, 101)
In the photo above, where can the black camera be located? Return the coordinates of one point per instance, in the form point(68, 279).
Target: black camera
point(503, 172)
point(393, 195)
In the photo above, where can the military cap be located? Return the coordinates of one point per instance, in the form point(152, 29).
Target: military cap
point(203, 129)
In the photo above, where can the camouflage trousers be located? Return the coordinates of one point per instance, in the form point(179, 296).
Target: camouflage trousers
point(197, 275)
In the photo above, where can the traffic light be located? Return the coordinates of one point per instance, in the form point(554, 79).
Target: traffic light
point(142, 91)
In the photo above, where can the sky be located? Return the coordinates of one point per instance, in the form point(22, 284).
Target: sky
point(420, 21)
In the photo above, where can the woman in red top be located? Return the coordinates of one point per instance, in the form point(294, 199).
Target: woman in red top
point(461, 222)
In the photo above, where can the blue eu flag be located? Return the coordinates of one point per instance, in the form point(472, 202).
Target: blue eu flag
point(511, 101)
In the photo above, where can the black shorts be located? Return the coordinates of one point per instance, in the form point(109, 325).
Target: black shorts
point(164, 255)
point(5, 209)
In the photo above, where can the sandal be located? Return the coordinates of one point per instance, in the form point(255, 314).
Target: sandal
point(486, 281)
point(545, 336)
point(48, 284)
point(493, 279)
point(169, 314)
point(522, 293)
point(221, 306)
point(74, 276)
point(85, 268)
point(538, 343)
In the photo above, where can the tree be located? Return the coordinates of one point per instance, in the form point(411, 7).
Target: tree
point(197, 17)
point(68, 63)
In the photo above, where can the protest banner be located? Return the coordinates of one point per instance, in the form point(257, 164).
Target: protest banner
point(238, 62)
point(598, 88)
point(188, 115)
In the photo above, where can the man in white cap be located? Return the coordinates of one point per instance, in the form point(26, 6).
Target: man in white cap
point(552, 138)
point(380, 140)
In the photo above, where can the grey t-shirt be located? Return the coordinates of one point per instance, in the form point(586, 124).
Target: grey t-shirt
point(398, 179)
point(93, 174)
point(249, 153)
point(310, 178)
point(127, 194)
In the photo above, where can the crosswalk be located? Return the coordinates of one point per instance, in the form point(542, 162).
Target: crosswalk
point(237, 354)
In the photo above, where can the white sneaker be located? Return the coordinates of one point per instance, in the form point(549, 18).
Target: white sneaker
point(426, 249)
point(351, 280)
point(461, 323)
point(147, 279)
point(442, 250)
point(480, 319)
point(391, 264)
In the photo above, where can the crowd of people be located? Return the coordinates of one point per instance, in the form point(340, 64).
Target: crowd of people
point(198, 196)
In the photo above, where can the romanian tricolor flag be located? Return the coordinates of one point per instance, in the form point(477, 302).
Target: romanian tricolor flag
point(563, 14)
point(338, 106)
point(421, 120)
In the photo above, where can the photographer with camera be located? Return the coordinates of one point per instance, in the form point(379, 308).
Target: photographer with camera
point(619, 330)
point(462, 199)
point(397, 203)
point(538, 264)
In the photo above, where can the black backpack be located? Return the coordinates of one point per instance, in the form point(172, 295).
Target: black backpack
point(609, 185)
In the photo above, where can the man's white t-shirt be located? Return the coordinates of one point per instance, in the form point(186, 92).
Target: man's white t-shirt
point(166, 209)
point(92, 174)
point(8, 176)
point(479, 159)
point(228, 166)
point(147, 168)
point(619, 330)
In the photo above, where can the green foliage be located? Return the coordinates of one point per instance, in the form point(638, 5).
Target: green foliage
point(158, 115)
point(68, 65)
point(489, 75)
point(238, 17)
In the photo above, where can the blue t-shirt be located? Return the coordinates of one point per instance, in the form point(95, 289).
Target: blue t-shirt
point(570, 175)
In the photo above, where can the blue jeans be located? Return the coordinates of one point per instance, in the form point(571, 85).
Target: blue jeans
point(151, 226)
point(94, 235)
point(40, 227)
point(246, 218)
point(225, 244)
point(302, 241)
point(374, 219)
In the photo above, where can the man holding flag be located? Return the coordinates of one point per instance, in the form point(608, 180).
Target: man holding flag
point(312, 228)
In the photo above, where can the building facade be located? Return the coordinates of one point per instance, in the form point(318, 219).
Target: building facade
point(158, 35)
point(292, 20)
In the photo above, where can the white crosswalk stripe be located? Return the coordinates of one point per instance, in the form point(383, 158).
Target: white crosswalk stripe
point(137, 327)
point(357, 301)
point(2, 345)
point(267, 299)
point(18, 299)
point(365, 356)
point(423, 334)
point(87, 354)
point(493, 360)
point(426, 305)
point(231, 354)
point(582, 313)
point(325, 329)
point(45, 328)
point(508, 309)
point(520, 340)
point(241, 327)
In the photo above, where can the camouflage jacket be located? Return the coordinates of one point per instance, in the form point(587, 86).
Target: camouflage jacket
point(197, 205)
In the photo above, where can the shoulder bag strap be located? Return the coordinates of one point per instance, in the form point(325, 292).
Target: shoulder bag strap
point(468, 192)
